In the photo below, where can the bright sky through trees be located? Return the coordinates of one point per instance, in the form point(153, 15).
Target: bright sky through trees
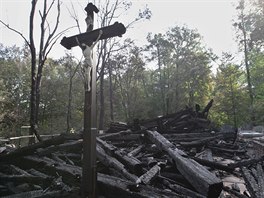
point(212, 19)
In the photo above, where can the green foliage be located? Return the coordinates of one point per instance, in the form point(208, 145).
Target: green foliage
point(55, 94)
point(14, 89)
point(250, 23)
point(230, 94)
point(183, 67)
point(172, 71)
point(257, 60)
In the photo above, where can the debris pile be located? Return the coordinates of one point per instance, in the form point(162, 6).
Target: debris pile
point(177, 155)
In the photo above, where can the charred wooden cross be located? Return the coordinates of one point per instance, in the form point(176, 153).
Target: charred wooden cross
point(87, 41)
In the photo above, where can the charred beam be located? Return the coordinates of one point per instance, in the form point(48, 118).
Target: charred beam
point(202, 180)
point(117, 29)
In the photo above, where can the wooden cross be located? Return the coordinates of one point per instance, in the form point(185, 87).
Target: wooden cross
point(89, 38)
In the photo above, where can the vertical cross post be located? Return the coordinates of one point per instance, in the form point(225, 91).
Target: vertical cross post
point(89, 173)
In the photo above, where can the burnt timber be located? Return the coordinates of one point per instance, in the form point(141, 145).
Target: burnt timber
point(176, 155)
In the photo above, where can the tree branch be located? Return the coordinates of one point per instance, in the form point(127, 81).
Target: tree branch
point(74, 16)
point(14, 30)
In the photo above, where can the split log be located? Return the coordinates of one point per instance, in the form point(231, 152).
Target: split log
point(135, 151)
point(39, 174)
point(147, 177)
point(251, 183)
point(109, 161)
point(260, 178)
point(202, 180)
point(132, 163)
point(57, 158)
point(20, 171)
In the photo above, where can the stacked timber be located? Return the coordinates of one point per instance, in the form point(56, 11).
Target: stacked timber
point(176, 155)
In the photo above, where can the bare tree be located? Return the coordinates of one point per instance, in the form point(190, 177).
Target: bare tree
point(48, 38)
point(108, 13)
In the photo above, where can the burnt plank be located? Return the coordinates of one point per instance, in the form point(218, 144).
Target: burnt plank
point(251, 183)
point(147, 177)
point(202, 180)
point(132, 163)
point(111, 162)
point(27, 150)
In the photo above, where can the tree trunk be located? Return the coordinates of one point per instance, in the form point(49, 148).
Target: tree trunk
point(33, 74)
point(102, 73)
point(111, 93)
point(38, 83)
point(246, 51)
point(161, 84)
point(69, 108)
point(233, 105)
point(102, 111)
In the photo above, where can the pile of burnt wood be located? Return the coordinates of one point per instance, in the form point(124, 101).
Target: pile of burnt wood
point(177, 155)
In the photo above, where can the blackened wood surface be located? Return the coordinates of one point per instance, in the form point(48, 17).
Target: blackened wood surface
point(27, 150)
point(201, 179)
point(117, 29)
point(149, 175)
point(111, 162)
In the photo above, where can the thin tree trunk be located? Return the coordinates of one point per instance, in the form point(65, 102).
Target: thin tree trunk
point(251, 96)
point(33, 74)
point(111, 93)
point(69, 108)
point(233, 105)
point(102, 111)
point(102, 73)
point(37, 96)
point(161, 84)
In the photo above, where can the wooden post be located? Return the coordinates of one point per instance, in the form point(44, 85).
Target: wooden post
point(89, 173)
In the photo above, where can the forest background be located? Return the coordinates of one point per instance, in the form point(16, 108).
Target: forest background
point(173, 70)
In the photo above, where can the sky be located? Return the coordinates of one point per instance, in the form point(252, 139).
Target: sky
point(211, 18)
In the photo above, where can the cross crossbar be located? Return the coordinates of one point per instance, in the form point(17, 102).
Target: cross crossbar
point(117, 29)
